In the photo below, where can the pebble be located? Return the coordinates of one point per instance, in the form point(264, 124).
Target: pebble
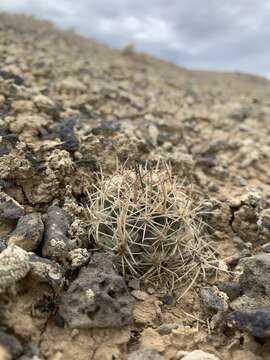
point(166, 329)
point(28, 233)
point(56, 243)
point(47, 271)
point(10, 209)
point(140, 295)
point(212, 300)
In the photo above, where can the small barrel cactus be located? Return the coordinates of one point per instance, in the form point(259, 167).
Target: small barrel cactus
point(153, 223)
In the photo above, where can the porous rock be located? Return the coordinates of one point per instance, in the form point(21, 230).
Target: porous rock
point(255, 278)
point(14, 265)
point(56, 243)
point(47, 271)
point(97, 298)
point(212, 300)
point(245, 302)
point(28, 233)
point(10, 209)
point(256, 322)
point(147, 354)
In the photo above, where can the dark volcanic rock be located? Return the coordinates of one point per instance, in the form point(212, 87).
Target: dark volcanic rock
point(11, 344)
point(28, 233)
point(56, 242)
point(66, 133)
point(98, 298)
point(231, 288)
point(257, 322)
point(255, 279)
point(10, 209)
point(47, 271)
point(213, 301)
point(9, 76)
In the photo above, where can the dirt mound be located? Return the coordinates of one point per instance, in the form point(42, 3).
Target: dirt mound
point(74, 112)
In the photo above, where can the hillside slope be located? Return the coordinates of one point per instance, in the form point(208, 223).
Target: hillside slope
point(72, 113)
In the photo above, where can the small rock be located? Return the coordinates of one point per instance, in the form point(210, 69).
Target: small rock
point(264, 224)
point(44, 103)
point(31, 352)
point(199, 355)
point(47, 271)
point(134, 284)
point(140, 295)
point(255, 278)
point(14, 265)
point(266, 248)
point(11, 344)
point(256, 322)
point(66, 133)
point(56, 242)
point(167, 299)
point(234, 260)
point(213, 301)
point(166, 329)
point(74, 333)
point(9, 76)
point(10, 209)
point(28, 233)
point(98, 297)
point(239, 115)
point(231, 288)
point(147, 354)
point(78, 257)
point(212, 187)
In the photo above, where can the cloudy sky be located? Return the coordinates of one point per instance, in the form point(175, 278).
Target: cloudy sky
point(210, 34)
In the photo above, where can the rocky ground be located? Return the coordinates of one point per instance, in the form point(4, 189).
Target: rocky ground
point(73, 112)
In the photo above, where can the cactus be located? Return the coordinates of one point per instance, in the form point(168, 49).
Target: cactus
point(153, 223)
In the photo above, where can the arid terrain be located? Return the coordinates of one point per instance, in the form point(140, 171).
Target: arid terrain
point(134, 204)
